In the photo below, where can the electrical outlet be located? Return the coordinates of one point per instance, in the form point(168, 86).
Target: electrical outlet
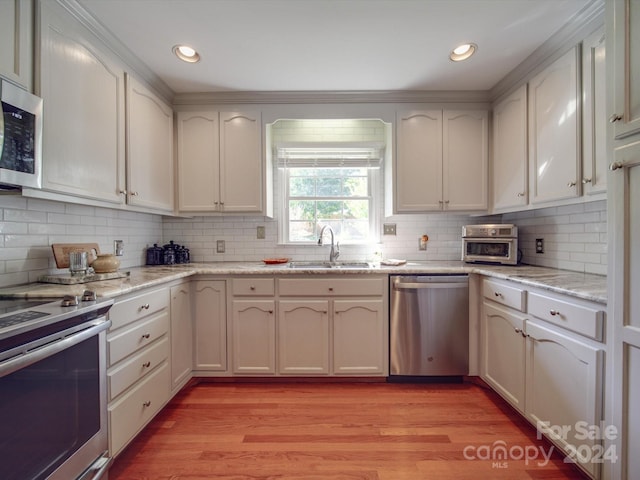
point(389, 229)
point(539, 245)
point(260, 232)
point(220, 246)
point(118, 247)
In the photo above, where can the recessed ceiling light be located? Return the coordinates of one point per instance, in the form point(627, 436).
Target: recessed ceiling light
point(186, 53)
point(463, 52)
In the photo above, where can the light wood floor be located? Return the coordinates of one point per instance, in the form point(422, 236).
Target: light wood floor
point(344, 431)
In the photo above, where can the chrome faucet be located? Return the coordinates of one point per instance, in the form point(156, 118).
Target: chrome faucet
point(335, 246)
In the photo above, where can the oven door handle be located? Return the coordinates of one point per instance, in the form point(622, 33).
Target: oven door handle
point(30, 357)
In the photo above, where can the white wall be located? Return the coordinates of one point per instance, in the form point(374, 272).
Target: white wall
point(28, 227)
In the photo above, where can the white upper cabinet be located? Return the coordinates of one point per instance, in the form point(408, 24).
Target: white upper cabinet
point(510, 151)
point(594, 114)
point(16, 38)
point(442, 160)
point(625, 77)
point(149, 149)
point(554, 135)
point(84, 98)
point(220, 168)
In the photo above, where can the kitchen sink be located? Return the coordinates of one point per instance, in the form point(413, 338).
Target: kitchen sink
point(337, 265)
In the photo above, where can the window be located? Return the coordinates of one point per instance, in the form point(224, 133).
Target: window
point(340, 189)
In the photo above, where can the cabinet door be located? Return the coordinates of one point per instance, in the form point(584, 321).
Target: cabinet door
point(83, 118)
point(510, 151)
point(502, 363)
point(198, 161)
point(149, 149)
point(210, 314)
point(465, 159)
point(254, 336)
point(241, 170)
point(181, 335)
point(554, 137)
point(594, 114)
point(625, 73)
point(358, 337)
point(564, 385)
point(303, 337)
point(418, 164)
point(16, 38)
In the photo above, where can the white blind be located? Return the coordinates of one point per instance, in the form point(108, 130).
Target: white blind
point(329, 155)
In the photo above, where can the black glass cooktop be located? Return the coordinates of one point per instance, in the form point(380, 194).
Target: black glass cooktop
point(11, 305)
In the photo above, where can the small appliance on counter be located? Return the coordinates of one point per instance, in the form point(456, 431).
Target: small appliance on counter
point(490, 243)
point(169, 254)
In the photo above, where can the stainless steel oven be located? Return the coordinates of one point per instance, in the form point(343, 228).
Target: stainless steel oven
point(53, 390)
point(494, 243)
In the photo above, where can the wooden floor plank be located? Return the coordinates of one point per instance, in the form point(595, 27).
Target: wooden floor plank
point(344, 431)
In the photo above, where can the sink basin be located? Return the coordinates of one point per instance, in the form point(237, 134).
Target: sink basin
point(315, 265)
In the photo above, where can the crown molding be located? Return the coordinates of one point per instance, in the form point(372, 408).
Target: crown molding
point(316, 97)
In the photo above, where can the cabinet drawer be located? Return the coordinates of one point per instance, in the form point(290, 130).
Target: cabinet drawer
point(331, 286)
point(138, 366)
point(253, 286)
point(140, 335)
point(128, 415)
point(139, 306)
point(508, 295)
point(587, 320)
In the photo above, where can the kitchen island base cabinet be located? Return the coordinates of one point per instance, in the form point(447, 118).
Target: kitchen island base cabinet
point(253, 328)
point(210, 316)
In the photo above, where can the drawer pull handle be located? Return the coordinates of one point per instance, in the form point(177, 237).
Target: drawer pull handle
point(554, 312)
point(497, 294)
point(147, 403)
point(146, 364)
point(521, 332)
point(146, 335)
point(145, 307)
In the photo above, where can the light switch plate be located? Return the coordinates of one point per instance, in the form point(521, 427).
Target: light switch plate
point(260, 232)
point(220, 246)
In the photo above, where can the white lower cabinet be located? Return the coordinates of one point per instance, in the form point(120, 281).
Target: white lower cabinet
point(138, 369)
point(545, 358)
point(253, 325)
point(181, 335)
point(210, 317)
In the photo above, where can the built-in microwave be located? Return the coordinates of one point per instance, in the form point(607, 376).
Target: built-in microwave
point(495, 243)
point(20, 138)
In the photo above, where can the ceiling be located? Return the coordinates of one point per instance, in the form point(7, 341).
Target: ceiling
point(332, 45)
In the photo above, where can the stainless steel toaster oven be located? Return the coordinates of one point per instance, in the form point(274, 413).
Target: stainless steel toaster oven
point(492, 243)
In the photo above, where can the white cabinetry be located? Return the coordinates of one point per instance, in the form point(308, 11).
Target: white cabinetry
point(149, 149)
point(16, 38)
point(220, 168)
point(532, 358)
point(181, 335)
point(510, 151)
point(554, 135)
point(253, 324)
point(138, 374)
point(623, 373)
point(210, 314)
point(441, 161)
point(594, 115)
point(83, 122)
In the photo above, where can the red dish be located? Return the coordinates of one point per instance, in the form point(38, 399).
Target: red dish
point(274, 261)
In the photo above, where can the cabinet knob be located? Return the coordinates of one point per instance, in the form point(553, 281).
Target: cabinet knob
point(586, 180)
point(134, 194)
point(571, 184)
point(145, 307)
point(615, 166)
point(146, 364)
point(270, 311)
point(518, 330)
point(146, 335)
point(331, 289)
point(252, 288)
point(497, 294)
point(216, 203)
point(520, 194)
point(147, 403)
point(554, 312)
point(122, 192)
point(221, 203)
point(615, 118)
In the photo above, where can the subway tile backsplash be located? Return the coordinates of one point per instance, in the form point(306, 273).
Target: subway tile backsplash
point(575, 236)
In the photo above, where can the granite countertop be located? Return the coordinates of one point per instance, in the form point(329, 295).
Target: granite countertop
point(580, 285)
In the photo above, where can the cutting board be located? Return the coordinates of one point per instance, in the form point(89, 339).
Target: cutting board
point(61, 252)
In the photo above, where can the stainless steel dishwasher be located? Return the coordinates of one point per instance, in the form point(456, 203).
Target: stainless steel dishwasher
point(429, 330)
